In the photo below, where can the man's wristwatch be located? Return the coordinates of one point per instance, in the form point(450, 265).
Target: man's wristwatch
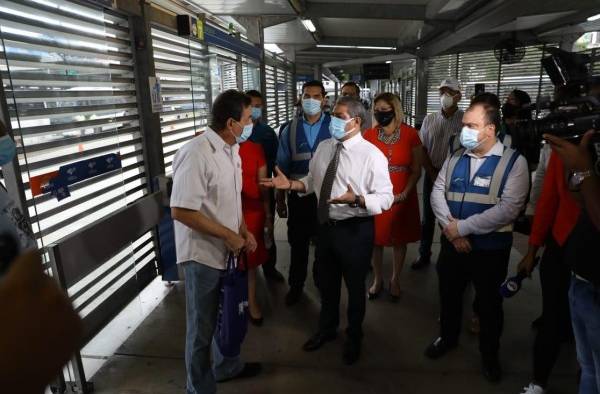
point(577, 178)
point(356, 202)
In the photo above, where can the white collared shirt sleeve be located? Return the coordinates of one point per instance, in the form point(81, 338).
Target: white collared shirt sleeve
point(380, 196)
point(309, 184)
point(188, 170)
point(438, 196)
point(538, 180)
point(506, 211)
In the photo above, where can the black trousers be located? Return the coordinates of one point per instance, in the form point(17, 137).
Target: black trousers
point(428, 219)
point(486, 270)
point(302, 226)
point(344, 251)
point(555, 327)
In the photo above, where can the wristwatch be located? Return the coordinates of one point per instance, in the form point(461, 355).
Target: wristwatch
point(577, 178)
point(356, 202)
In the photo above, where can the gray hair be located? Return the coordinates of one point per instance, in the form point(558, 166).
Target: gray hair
point(354, 106)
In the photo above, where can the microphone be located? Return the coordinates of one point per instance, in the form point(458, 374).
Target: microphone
point(512, 285)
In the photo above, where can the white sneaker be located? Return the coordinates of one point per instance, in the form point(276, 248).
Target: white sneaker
point(533, 389)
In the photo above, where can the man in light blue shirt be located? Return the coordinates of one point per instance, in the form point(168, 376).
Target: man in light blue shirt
point(297, 145)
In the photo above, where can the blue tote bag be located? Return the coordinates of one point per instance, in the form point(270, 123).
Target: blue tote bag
point(232, 320)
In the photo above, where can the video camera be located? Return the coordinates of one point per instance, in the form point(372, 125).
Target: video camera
point(576, 106)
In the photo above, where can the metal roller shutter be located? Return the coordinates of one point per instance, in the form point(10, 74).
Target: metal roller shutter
point(68, 76)
point(271, 95)
point(482, 67)
point(291, 98)
point(282, 100)
point(250, 75)
point(527, 75)
point(182, 66)
point(280, 92)
point(439, 68)
point(474, 68)
point(223, 70)
point(406, 87)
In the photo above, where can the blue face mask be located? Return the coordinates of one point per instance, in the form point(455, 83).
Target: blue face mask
point(246, 133)
point(337, 128)
point(7, 150)
point(311, 106)
point(468, 138)
point(256, 113)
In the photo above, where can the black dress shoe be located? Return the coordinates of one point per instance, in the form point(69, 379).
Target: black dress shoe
point(250, 370)
point(491, 369)
point(537, 323)
point(293, 296)
point(438, 348)
point(351, 352)
point(420, 263)
point(274, 275)
point(318, 340)
point(256, 322)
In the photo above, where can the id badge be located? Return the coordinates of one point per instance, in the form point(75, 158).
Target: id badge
point(482, 182)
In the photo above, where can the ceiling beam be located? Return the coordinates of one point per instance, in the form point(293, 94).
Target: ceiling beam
point(359, 41)
point(365, 10)
point(495, 13)
point(573, 19)
point(434, 7)
point(269, 21)
point(374, 59)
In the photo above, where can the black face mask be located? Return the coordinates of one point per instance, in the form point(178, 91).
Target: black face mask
point(384, 118)
point(509, 110)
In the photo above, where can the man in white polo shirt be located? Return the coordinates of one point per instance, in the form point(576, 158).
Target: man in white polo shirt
point(207, 210)
point(435, 135)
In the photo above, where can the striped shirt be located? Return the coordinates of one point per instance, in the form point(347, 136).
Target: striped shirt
point(436, 132)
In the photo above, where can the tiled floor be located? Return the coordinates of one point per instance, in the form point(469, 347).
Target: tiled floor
point(151, 359)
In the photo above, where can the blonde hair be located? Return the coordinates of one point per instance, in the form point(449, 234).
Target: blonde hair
point(393, 101)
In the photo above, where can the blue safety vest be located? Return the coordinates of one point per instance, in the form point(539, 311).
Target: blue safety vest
point(301, 151)
point(468, 197)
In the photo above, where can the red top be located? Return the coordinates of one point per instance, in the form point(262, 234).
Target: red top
point(556, 208)
point(401, 224)
point(253, 158)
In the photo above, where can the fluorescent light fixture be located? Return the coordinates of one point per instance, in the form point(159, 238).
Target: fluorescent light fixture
point(273, 48)
point(310, 26)
point(593, 18)
point(388, 61)
point(356, 47)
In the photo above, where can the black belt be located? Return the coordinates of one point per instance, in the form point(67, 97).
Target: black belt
point(349, 221)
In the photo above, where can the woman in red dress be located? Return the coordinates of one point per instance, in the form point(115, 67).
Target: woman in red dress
point(257, 214)
point(401, 224)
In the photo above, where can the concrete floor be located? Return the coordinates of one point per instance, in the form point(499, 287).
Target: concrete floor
point(151, 359)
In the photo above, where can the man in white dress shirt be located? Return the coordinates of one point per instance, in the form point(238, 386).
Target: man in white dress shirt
point(351, 179)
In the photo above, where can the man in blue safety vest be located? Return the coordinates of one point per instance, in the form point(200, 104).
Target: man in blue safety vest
point(476, 197)
point(297, 144)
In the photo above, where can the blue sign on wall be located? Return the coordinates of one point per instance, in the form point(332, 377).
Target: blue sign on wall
point(219, 38)
point(79, 171)
point(304, 78)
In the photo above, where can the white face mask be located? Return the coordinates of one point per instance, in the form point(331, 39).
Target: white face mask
point(446, 101)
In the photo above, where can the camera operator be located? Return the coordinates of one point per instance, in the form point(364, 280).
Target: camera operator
point(582, 251)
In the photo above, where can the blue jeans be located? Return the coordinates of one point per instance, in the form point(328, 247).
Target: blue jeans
point(202, 285)
point(585, 314)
